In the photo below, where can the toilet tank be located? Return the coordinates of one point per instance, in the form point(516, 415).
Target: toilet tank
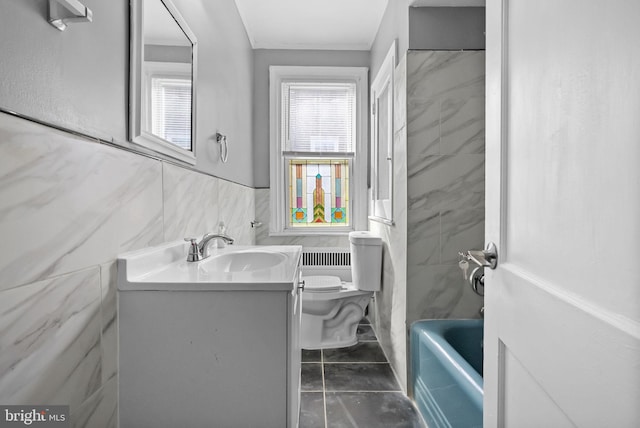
point(366, 260)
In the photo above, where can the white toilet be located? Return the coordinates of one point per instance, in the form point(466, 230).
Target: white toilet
point(332, 308)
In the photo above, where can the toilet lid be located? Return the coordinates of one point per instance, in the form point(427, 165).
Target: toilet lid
point(322, 283)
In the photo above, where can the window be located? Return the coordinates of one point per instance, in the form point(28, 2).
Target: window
point(166, 119)
point(171, 109)
point(382, 140)
point(318, 149)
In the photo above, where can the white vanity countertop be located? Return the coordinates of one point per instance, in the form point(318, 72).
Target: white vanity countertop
point(164, 267)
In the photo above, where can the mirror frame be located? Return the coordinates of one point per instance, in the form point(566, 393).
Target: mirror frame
point(136, 133)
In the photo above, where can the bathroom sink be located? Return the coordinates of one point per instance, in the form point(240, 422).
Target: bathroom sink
point(235, 267)
point(243, 261)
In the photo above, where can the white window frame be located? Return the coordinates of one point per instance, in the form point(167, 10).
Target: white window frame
point(171, 70)
point(279, 168)
point(382, 209)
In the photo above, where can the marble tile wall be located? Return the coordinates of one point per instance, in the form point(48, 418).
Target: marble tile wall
point(197, 203)
point(237, 205)
point(445, 140)
point(68, 207)
point(67, 204)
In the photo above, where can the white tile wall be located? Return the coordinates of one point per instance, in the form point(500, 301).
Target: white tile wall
point(446, 180)
point(67, 204)
point(237, 209)
point(190, 203)
point(51, 340)
point(68, 207)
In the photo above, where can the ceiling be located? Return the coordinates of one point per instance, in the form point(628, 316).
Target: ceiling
point(160, 28)
point(312, 24)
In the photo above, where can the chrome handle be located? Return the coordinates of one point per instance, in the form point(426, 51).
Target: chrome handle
point(485, 258)
point(301, 285)
point(194, 251)
point(476, 280)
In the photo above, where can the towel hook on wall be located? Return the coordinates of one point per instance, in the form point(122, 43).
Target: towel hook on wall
point(224, 148)
point(63, 12)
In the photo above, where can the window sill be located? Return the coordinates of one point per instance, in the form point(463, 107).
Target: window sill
point(310, 233)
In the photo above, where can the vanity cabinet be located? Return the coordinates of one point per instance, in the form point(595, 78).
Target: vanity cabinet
point(224, 355)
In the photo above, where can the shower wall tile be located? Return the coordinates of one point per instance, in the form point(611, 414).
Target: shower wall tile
point(461, 230)
point(191, 206)
point(462, 122)
point(263, 215)
point(109, 320)
point(423, 238)
point(67, 204)
point(50, 340)
point(438, 73)
point(445, 102)
point(446, 180)
point(100, 410)
point(423, 124)
point(237, 205)
point(439, 183)
point(440, 292)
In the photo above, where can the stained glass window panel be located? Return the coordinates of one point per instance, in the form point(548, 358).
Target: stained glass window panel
point(319, 193)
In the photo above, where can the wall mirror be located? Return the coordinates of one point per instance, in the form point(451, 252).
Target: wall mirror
point(163, 80)
point(381, 208)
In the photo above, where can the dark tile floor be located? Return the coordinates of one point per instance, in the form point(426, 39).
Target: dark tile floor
point(353, 387)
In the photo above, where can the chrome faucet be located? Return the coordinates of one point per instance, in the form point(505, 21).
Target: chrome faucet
point(199, 251)
point(203, 246)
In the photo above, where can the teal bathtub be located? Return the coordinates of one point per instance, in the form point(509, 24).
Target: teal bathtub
point(446, 372)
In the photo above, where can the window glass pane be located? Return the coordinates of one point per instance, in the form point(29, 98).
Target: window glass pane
point(383, 187)
point(319, 193)
point(171, 110)
point(319, 117)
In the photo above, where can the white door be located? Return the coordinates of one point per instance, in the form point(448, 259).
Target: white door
point(562, 335)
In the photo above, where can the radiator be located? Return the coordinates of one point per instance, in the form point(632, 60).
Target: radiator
point(327, 261)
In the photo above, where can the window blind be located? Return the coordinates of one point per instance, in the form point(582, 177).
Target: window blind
point(171, 110)
point(319, 117)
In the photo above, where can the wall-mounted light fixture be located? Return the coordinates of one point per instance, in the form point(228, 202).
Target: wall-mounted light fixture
point(63, 12)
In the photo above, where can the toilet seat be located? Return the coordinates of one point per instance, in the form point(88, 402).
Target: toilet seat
point(324, 288)
point(322, 283)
